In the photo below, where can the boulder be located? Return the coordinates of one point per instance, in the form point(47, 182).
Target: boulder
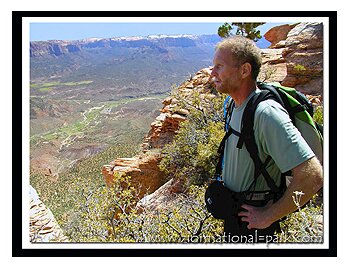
point(304, 58)
point(273, 67)
point(163, 197)
point(277, 34)
point(143, 171)
point(42, 224)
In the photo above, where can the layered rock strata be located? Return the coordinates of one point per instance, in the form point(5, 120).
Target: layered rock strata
point(301, 47)
point(143, 168)
point(42, 225)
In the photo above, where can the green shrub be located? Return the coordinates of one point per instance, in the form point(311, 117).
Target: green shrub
point(304, 225)
point(318, 115)
point(192, 155)
point(110, 214)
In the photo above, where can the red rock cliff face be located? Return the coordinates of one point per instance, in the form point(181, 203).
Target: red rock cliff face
point(143, 168)
point(302, 45)
point(300, 49)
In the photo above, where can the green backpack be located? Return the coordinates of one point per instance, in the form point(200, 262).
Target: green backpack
point(300, 111)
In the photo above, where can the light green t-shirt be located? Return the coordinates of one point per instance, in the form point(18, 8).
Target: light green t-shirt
point(275, 135)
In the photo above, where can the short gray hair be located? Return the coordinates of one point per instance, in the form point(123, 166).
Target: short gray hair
point(243, 50)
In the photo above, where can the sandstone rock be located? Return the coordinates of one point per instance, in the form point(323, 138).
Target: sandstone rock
point(296, 57)
point(312, 87)
point(304, 58)
point(277, 34)
point(144, 172)
point(273, 67)
point(164, 196)
point(272, 56)
point(280, 44)
point(182, 111)
point(42, 225)
point(167, 100)
point(305, 36)
point(178, 117)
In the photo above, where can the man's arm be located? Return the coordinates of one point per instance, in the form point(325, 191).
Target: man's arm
point(307, 178)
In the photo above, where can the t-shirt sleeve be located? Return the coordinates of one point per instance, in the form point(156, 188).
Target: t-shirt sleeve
point(279, 138)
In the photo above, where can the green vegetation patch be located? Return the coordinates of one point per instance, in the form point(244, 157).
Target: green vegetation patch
point(53, 85)
point(77, 127)
point(46, 89)
point(50, 136)
point(76, 83)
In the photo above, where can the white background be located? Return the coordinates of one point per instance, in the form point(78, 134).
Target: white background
point(178, 5)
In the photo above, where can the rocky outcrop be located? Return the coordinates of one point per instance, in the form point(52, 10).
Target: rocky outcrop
point(164, 128)
point(55, 48)
point(277, 35)
point(304, 58)
point(42, 225)
point(295, 57)
point(143, 168)
point(163, 197)
point(165, 125)
point(274, 68)
point(143, 171)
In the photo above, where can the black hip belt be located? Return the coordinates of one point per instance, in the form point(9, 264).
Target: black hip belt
point(267, 195)
point(221, 202)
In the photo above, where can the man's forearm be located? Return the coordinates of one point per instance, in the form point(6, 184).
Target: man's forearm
point(308, 179)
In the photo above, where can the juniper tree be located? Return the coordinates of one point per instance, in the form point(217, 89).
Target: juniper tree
point(247, 29)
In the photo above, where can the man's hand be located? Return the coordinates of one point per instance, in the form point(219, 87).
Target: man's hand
point(307, 178)
point(257, 217)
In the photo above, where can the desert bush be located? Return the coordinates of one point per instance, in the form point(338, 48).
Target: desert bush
point(60, 194)
point(185, 221)
point(193, 153)
point(110, 214)
point(305, 225)
point(318, 114)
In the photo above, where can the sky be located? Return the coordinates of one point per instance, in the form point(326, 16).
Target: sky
point(77, 31)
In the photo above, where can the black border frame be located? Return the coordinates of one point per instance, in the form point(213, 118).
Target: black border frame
point(17, 249)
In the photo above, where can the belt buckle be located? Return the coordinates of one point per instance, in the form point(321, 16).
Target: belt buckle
point(257, 196)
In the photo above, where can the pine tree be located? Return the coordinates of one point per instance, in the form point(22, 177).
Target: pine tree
point(243, 28)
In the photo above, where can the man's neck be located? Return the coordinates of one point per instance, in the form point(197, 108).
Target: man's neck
point(243, 93)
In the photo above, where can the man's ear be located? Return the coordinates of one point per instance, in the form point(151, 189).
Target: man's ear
point(246, 70)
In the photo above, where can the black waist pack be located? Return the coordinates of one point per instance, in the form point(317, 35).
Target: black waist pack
point(221, 202)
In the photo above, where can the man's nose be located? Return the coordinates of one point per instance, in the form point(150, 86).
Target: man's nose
point(213, 73)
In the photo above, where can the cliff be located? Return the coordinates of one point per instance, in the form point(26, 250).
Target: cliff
point(143, 168)
point(42, 225)
point(300, 55)
point(157, 42)
point(294, 59)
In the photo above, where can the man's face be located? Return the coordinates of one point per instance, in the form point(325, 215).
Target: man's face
point(226, 74)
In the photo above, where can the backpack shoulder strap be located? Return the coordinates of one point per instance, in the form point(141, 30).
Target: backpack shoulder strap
point(248, 116)
point(227, 107)
point(247, 137)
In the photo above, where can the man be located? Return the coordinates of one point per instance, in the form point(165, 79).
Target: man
point(237, 63)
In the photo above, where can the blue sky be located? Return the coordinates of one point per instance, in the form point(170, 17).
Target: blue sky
point(77, 31)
